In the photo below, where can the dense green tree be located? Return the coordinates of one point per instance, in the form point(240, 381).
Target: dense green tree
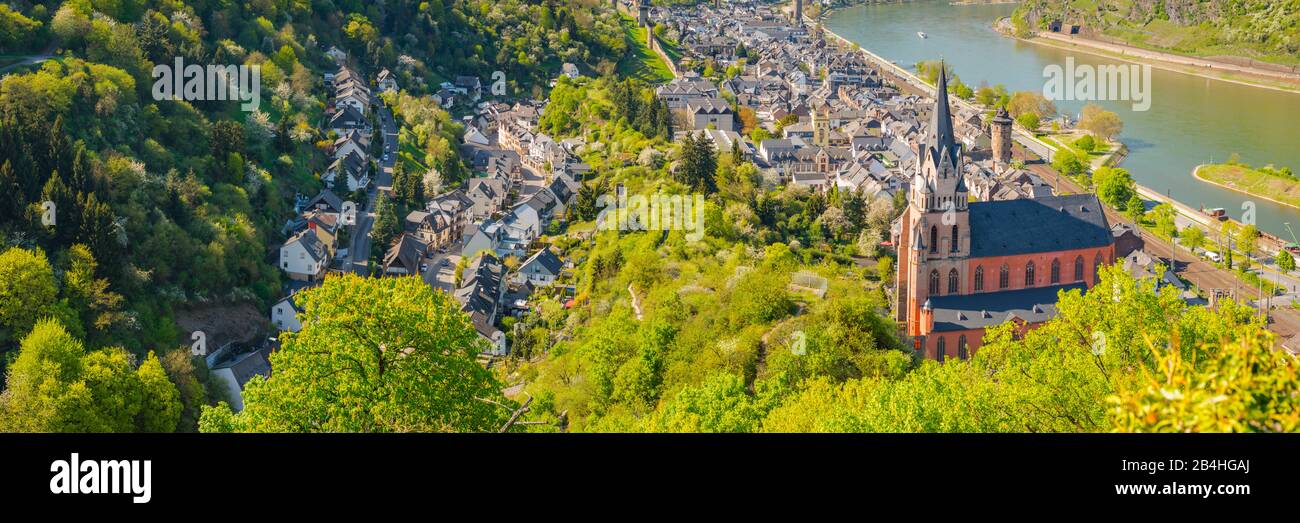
point(387, 224)
point(1248, 239)
point(1135, 209)
point(27, 290)
point(1115, 186)
point(1068, 163)
point(1163, 217)
point(1284, 260)
point(1245, 385)
point(1192, 237)
point(56, 386)
point(720, 404)
point(697, 164)
point(378, 355)
point(1100, 122)
point(1029, 120)
point(89, 296)
point(11, 207)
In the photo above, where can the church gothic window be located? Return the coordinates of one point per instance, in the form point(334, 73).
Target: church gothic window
point(953, 247)
point(961, 347)
point(1029, 274)
point(1078, 268)
point(1004, 277)
point(1056, 271)
point(934, 282)
point(952, 281)
point(1096, 269)
point(939, 348)
point(934, 239)
point(979, 278)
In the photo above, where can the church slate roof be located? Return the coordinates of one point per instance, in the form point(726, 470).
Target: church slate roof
point(1026, 226)
point(980, 310)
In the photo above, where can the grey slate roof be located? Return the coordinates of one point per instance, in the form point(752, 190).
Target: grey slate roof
point(247, 365)
point(1024, 226)
point(546, 260)
point(980, 310)
point(348, 118)
point(480, 286)
point(329, 199)
point(406, 253)
point(311, 243)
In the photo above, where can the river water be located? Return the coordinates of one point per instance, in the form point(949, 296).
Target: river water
point(1192, 119)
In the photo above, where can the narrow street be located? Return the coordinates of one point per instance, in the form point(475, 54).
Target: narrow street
point(360, 250)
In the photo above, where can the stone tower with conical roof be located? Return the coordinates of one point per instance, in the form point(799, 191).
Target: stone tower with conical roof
point(1000, 129)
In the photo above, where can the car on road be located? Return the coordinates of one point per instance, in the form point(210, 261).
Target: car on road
point(445, 262)
point(424, 267)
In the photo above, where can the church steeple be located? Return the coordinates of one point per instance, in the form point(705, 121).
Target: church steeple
point(942, 140)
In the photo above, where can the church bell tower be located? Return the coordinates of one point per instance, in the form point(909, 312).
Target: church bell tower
point(937, 219)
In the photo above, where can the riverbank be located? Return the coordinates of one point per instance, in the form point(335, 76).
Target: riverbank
point(1252, 182)
point(1205, 68)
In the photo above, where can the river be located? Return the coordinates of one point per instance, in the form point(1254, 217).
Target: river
point(1192, 119)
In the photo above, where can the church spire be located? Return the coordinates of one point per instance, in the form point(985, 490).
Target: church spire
point(942, 138)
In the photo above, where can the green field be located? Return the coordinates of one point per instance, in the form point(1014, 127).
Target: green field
point(640, 62)
point(1264, 184)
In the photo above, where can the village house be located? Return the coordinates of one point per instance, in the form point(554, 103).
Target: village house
point(348, 119)
point(351, 142)
point(284, 315)
point(711, 113)
point(480, 293)
point(349, 172)
point(488, 196)
point(542, 268)
point(470, 87)
point(405, 256)
point(336, 54)
point(305, 256)
point(481, 237)
point(386, 81)
point(234, 372)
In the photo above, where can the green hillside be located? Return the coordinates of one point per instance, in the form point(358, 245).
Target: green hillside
point(1266, 30)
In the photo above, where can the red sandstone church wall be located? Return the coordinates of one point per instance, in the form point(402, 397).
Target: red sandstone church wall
point(1042, 268)
point(974, 340)
point(1016, 280)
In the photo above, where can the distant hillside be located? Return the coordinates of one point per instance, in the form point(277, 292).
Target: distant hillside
point(1266, 30)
